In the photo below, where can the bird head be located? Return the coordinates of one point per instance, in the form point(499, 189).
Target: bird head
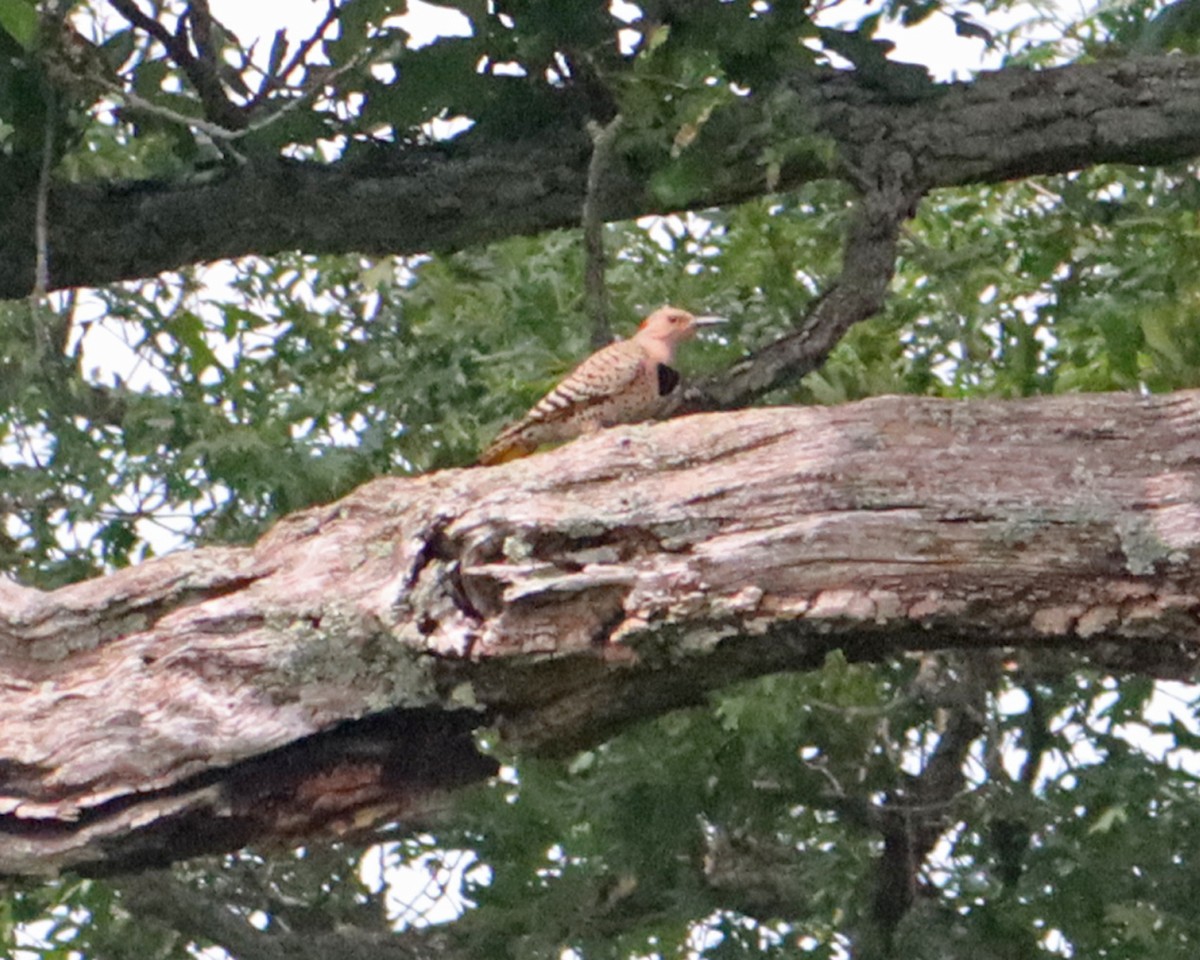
point(672, 326)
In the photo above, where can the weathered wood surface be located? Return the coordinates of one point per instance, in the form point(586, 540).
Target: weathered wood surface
point(330, 676)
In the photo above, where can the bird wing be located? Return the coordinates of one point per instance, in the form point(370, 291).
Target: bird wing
point(600, 377)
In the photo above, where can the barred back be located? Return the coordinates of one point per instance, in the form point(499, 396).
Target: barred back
point(577, 404)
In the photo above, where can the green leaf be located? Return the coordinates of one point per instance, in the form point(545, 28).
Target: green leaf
point(189, 330)
point(1109, 819)
point(19, 19)
point(659, 34)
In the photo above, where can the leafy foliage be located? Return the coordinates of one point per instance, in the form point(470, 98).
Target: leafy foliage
point(200, 407)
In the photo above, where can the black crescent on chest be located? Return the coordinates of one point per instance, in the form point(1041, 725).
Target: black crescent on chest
point(668, 379)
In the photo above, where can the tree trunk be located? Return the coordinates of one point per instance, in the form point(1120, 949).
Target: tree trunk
point(329, 677)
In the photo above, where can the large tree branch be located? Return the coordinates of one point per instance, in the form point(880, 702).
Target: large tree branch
point(330, 676)
point(418, 198)
point(890, 195)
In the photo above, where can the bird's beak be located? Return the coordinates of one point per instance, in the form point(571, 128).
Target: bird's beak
point(708, 320)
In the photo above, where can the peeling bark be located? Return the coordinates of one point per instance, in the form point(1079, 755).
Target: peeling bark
point(1004, 125)
point(329, 677)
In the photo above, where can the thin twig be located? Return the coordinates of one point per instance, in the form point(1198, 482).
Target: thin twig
point(41, 230)
point(272, 82)
point(135, 18)
point(201, 70)
point(216, 131)
point(201, 19)
point(595, 289)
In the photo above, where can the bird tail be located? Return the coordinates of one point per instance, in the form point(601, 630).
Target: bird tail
point(509, 445)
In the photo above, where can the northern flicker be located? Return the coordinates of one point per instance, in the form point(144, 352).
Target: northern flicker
point(625, 382)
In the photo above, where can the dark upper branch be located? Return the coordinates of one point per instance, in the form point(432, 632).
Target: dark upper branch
point(1004, 125)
